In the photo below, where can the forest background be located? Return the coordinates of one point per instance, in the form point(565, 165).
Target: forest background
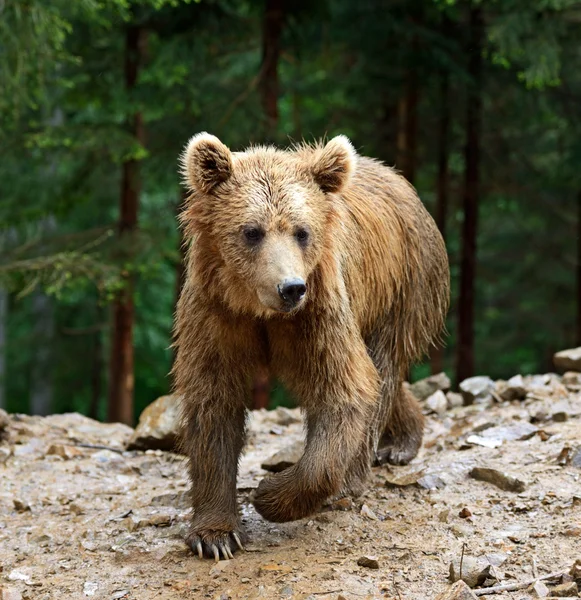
point(478, 103)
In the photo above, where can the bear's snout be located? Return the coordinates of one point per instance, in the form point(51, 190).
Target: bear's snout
point(292, 291)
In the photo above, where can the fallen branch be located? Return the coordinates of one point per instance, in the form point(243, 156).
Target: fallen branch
point(513, 587)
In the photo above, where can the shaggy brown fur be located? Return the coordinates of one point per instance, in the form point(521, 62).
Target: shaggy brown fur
point(377, 281)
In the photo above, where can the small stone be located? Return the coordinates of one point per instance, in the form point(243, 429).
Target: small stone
point(465, 513)
point(4, 421)
point(458, 591)
point(477, 390)
point(478, 440)
point(9, 594)
point(431, 482)
point(244, 580)
point(21, 505)
point(572, 379)
point(344, 503)
point(285, 458)
point(568, 360)
point(514, 389)
point(501, 480)
point(403, 476)
point(437, 402)
point(118, 594)
point(454, 400)
point(559, 416)
point(368, 513)
point(90, 588)
point(539, 590)
point(520, 430)
point(474, 570)
point(576, 458)
point(575, 571)
point(65, 452)
point(369, 562)
point(573, 531)
point(565, 590)
point(158, 426)
point(285, 416)
point(424, 388)
point(4, 455)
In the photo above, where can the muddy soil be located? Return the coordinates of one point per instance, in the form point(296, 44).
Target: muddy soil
point(78, 520)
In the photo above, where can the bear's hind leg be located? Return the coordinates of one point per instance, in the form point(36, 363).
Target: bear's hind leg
point(404, 428)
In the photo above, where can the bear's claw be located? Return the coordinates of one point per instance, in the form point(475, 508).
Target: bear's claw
point(213, 544)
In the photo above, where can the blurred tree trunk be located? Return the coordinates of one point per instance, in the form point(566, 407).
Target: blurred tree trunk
point(578, 341)
point(97, 368)
point(3, 335)
point(121, 375)
point(442, 186)
point(43, 334)
point(269, 88)
point(465, 345)
point(269, 83)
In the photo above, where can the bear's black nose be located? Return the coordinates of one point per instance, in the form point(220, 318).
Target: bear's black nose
point(292, 290)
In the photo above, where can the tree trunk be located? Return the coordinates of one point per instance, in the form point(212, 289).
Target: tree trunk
point(442, 185)
point(465, 344)
point(3, 335)
point(269, 83)
point(407, 136)
point(40, 375)
point(121, 376)
point(579, 269)
point(97, 368)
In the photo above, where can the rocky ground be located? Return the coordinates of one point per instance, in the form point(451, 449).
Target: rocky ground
point(498, 482)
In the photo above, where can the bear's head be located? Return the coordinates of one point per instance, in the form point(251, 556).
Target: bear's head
point(262, 218)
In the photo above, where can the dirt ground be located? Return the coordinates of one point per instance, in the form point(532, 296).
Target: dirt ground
point(78, 522)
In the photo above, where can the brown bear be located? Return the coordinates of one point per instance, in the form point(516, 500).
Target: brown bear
point(324, 267)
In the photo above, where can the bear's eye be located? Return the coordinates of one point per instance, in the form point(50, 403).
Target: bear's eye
point(302, 235)
point(253, 235)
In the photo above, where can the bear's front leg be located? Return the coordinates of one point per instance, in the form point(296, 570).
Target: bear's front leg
point(213, 372)
point(338, 386)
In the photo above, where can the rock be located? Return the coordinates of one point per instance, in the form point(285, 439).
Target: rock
point(21, 505)
point(475, 571)
point(368, 513)
point(158, 426)
point(369, 562)
point(4, 421)
point(477, 390)
point(424, 388)
point(501, 480)
point(575, 571)
point(90, 588)
point(431, 482)
point(565, 590)
point(465, 513)
point(437, 402)
point(572, 379)
point(539, 590)
point(514, 389)
point(284, 416)
point(403, 476)
point(519, 430)
point(4, 455)
point(576, 458)
point(478, 440)
point(454, 399)
point(568, 360)
point(9, 594)
point(459, 591)
point(285, 458)
point(65, 452)
point(573, 531)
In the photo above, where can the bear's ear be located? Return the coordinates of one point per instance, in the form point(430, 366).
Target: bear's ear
point(205, 162)
point(333, 164)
